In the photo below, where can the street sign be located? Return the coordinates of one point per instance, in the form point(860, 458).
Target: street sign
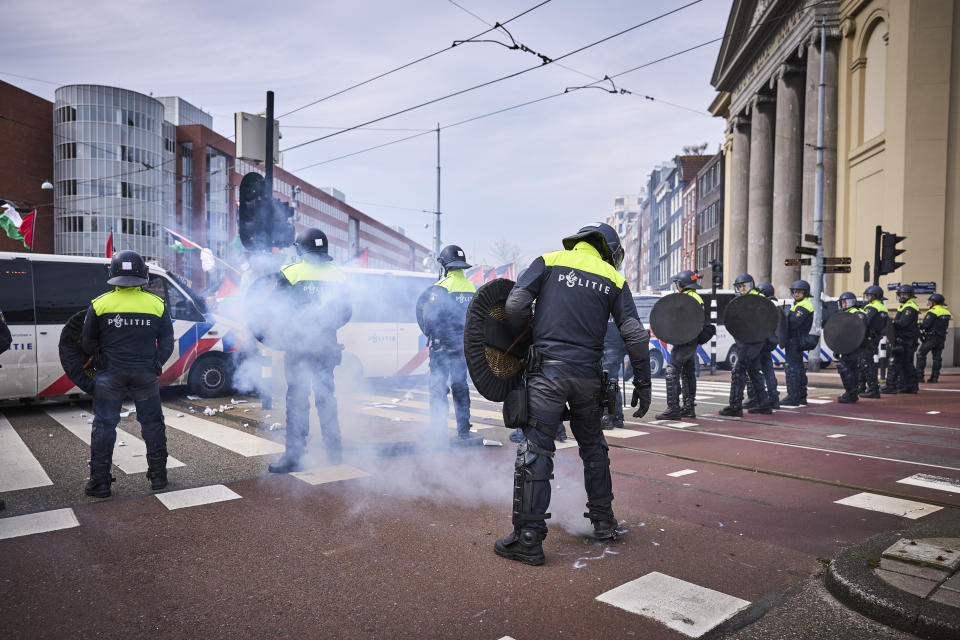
point(807, 251)
point(796, 262)
point(809, 237)
point(836, 261)
point(924, 287)
point(893, 286)
point(832, 268)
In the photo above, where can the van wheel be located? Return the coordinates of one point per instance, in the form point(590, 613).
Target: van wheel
point(210, 376)
point(656, 364)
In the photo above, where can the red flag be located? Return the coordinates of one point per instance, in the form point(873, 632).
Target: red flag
point(477, 276)
point(492, 275)
point(109, 251)
point(363, 260)
point(227, 289)
point(26, 228)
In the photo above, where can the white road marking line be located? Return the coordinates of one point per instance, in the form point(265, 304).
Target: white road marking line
point(683, 472)
point(838, 435)
point(19, 469)
point(818, 401)
point(42, 522)
point(323, 475)
point(195, 497)
point(682, 606)
point(796, 446)
point(933, 482)
point(246, 444)
point(932, 413)
point(131, 458)
point(624, 433)
point(885, 504)
point(677, 424)
point(905, 424)
point(569, 442)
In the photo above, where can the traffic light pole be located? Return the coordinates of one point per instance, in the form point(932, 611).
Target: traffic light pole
point(713, 319)
point(268, 151)
point(816, 273)
point(436, 225)
point(876, 256)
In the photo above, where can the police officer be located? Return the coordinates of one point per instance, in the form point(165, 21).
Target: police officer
point(875, 315)
point(614, 350)
point(799, 321)
point(129, 333)
point(903, 377)
point(681, 370)
point(934, 331)
point(444, 315)
point(849, 364)
point(766, 360)
point(747, 364)
point(576, 290)
point(315, 305)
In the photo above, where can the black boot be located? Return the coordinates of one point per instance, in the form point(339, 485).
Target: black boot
point(672, 413)
point(762, 409)
point(688, 411)
point(734, 412)
point(604, 528)
point(157, 470)
point(98, 486)
point(934, 378)
point(750, 403)
point(888, 390)
point(848, 398)
point(289, 461)
point(872, 393)
point(523, 546)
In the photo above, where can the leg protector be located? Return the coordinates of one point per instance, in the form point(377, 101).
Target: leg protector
point(672, 378)
point(532, 472)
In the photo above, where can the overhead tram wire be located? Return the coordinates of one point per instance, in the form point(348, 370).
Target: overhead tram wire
point(496, 80)
point(409, 64)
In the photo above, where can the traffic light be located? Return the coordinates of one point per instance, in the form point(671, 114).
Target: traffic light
point(717, 273)
point(252, 225)
point(889, 253)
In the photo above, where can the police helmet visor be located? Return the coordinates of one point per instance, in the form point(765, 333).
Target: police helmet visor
point(846, 303)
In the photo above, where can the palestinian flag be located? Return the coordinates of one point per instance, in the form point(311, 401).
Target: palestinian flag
point(179, 247)
point(181, 242)
point(17, 227)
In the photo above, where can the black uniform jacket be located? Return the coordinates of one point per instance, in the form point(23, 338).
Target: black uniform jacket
point(130, 328)
point(576, 292)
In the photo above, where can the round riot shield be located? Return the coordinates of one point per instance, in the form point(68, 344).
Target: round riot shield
point(76, 364)
point(844, 332)
point(421, 301)
point(751, 318)
point(496, 355)
point(676, 318)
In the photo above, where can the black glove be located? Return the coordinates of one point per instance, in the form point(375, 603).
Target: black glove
point(641, 398)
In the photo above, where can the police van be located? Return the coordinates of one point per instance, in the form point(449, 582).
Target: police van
point(40, 292)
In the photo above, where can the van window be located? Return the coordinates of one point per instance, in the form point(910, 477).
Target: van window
point(180, 308)
point(64, 288)
point(16, 291)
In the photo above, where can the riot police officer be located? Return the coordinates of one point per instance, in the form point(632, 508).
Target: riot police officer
point(934, 332)
point(576, 290)
point(444, 315)
point(766, 360)
point(129, 333)
point(875, 313)
point(903, 377)
point(799, 321)
point(681, 370)
point(747, 364)
point(848, 365)
point(313, 297)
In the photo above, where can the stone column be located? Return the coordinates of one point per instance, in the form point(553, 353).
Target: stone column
point(787, 174)
point(736, 218)
point(830, 73)
point(760, 203)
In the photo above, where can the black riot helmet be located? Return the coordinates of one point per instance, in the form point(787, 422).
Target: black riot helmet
point(604, 239)
point(800, 285)
point(127, 269)
point(686, 279)
point(313, 242)
point(847, 300)
point(452, 257)
point(745, 281)
point(905, 292)
point(873, 290)
point(936, 298)
point(766, 289)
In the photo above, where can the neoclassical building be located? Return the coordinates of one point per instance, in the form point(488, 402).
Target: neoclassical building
point(891, 137)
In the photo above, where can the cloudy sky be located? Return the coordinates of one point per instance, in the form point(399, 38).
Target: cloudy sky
point(528, 176)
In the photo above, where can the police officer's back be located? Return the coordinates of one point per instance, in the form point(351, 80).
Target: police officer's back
point(933, 330)
point(903, 376)
point(129, 333)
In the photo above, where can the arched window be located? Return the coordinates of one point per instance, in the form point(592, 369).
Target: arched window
point(874, 82)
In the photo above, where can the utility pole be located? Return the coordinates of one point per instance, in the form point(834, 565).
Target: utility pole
point(268, 152)
point(436, 223)
point(816, 273)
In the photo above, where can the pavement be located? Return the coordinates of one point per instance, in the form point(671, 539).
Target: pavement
point(731, 528)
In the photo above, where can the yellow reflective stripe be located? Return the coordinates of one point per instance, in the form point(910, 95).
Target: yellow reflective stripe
point(693, 294)
point(854, 310)
point(939, 311)
point(456, 282)
point(128, 300)
point(909, 304)
point(586, 258)
point(300, 271)
point(805, 303)
point(879, 306)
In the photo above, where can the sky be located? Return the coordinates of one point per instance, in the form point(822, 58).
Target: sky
point(528, 176)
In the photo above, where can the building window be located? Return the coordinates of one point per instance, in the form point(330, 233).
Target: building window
point(67, 187)
point(874, 82)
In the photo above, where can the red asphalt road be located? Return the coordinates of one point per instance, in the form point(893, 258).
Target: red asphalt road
point(407, 553)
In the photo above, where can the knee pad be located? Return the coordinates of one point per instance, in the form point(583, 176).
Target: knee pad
point(525, 480)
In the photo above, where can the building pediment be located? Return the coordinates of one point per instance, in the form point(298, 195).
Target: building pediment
point(749, 27)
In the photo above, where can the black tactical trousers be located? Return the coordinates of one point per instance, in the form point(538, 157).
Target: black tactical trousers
point(769, 378)
point(302, 371)
point(682, 373)
point(549, 390)
point(748, 367)
point(903, 374)
point(448, 364)
point(795, 372)
point(869, 365)
point(934, 344)
point(848, 366)
point(113, 386)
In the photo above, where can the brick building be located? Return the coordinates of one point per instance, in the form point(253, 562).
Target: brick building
point(709, 244)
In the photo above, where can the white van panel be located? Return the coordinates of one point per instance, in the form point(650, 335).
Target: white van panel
point(18, 365)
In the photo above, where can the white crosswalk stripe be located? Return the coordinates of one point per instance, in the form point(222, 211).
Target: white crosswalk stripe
point(33, 523)
point(19, 469)
point(886, 504)
point(196, 496)
point(246, 444)
point(129, 452)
